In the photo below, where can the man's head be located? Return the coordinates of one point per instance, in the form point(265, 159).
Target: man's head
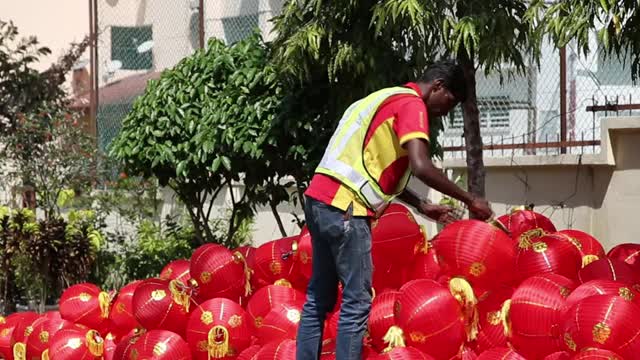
point(443, 87)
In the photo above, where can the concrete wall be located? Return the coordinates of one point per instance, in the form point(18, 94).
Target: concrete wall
point(596, 193)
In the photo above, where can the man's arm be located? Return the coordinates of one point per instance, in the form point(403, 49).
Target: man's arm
point(424, 169)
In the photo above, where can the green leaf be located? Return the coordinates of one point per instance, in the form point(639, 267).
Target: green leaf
point(226, 162)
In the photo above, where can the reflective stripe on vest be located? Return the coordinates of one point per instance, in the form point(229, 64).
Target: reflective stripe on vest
point(343, 158)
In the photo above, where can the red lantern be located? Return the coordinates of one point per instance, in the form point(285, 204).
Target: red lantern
point(388, 279)
point(528, 223)
point(267, 298)
point(481, 253)
point(560, 355)
point(279, 324)
point(21, 331)
point(609, 269)
point(162, 305)
point(500, 353)
point(438, 328)
point(590, 248)
point(597, 354)
point(176, 270)
point(219, 273)
point(75, 343)
point(424, 264)
point(159, 345)
point(491, 331)
point(12, 331)
point(533, 316)
point(602, 287)
point(218, 329)
point(274, 261)
point(249, 353)
point(304, 259)
point(403, 353)
point(381, 318)
point(549, 254)
point(86, 304)
point(284, 350)
point(43, 331)
point(629, 253)
point(52, 315)
point(394, 236)
point(331, 326)
point(603, 321)
point(248, 252)
point(121, 314)
point(466, 353)
point(125, 345)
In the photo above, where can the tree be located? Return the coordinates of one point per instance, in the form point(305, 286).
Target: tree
point(616, 23)
point(339, 51)
point(204, 126)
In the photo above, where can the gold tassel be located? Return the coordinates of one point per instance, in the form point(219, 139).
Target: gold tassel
point(497, 224)
point(504, 317)
point(294, 247)
point(393, 338)
point(19, 351)
point(283, 282)
point(179, 294)
point(45, 355)
point(95, 344)
point(218, 349)
point(588, 259)
point(247, 273)
point(373, 293)
point(105, 303)
point(525, 238)
point(463, 292)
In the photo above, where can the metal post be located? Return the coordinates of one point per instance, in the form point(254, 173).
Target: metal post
point(563, 98)
point(95, 79)
point(92, 69)
point(201, 21)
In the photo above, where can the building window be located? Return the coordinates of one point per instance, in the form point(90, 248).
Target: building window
point(494, 115)
point(125, 41)
point(239, 27)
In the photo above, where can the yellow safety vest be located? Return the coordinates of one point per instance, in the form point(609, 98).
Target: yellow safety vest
point(344, 159)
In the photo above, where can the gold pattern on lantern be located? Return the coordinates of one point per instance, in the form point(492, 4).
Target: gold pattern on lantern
point(601, 332)
point(275, 267)
point(120, 308)
point(167, 274)
point(206, 318)
point(564, 292)
point(258, 321)
point(203, 346)
point(74, 343)
point(539, 247)
point(304, 257)
point(418, 337)
point(84, 297)
point(27, 331)
point(44, 337)
point(134, 354)
point(626, 293)
point(293, 315)
point(4, 332)
point(159, 348)
point(205, 277)
point(158, 295)
point(235, 321)
point(493, 317)
point(374, 223)
point(396, 308)
point(569, 342)
point(477, 269)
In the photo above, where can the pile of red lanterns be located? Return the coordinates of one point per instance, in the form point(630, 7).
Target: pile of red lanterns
point(513, 288)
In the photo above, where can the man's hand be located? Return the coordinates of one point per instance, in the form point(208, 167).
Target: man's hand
point(480, 208)
point(440, 213)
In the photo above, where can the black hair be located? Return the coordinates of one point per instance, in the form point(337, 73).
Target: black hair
point(451, 74)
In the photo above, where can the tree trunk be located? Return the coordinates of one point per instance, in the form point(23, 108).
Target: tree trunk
point(274, 210)
point(473, 139)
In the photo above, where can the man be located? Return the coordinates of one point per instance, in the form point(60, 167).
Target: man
point(380, 142)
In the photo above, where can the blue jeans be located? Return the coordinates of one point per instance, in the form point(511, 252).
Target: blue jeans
point(341, 252)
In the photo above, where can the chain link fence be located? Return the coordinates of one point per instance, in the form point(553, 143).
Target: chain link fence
point(139, 39)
